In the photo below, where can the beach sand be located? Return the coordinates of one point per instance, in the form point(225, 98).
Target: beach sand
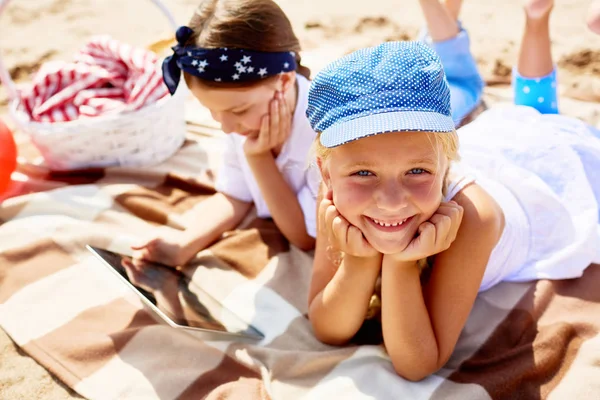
point(35, 31)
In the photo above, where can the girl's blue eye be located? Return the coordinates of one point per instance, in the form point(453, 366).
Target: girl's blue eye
point(363, 172)
point(417, 171)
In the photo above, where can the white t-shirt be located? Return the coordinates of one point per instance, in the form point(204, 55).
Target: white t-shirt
point(235, 178)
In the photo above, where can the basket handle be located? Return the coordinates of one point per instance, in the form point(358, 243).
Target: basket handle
point(5, 75)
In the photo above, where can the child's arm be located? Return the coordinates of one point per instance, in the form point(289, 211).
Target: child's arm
point(213, 216)
point(281, 200)
point(340, 291)
point(421, 325)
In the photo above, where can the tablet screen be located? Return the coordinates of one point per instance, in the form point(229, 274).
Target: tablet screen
point(175, 295)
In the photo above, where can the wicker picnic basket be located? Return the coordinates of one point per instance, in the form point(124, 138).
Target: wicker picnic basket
point(143, 137)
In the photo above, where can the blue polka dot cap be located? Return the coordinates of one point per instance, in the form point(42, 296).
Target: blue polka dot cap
point(393, 87)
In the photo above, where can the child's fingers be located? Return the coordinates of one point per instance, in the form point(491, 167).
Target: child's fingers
point(134, 272)
point(134, 264)
point(142, 254)
point(285, 118)
point(126, 263)
point(333, 224)
point(339, 228)
point(263, 135)
point(140, 264)
point(446, 208)
point(264, 125)
point(426, 239)
point(455, 213)
point(442, 225)
point(274, 125)
point(330, 214)
point(129, 269)
point(323, 206)
point(356, 240)
point(142, 245)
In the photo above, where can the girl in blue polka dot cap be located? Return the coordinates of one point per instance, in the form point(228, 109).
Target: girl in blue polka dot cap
point(408, 232)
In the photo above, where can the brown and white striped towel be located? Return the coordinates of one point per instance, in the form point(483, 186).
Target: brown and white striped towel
point(531, 341)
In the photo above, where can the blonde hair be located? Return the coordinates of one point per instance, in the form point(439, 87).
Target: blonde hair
point(448, 141)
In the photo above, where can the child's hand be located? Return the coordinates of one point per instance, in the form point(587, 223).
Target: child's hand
point(171, 249)
point(435, 235)
point(275, 128)
point(149, 279)
point(346, 237)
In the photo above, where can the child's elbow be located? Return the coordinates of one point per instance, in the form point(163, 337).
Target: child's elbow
point(325, 331)
point(415, 372)
point(306, 243)
point(329, 338)
point(413, 376)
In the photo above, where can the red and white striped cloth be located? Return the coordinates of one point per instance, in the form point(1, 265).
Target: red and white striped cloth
point(106, 77)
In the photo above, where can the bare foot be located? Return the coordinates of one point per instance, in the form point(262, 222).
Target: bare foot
point(593, 17)
point(536, 9)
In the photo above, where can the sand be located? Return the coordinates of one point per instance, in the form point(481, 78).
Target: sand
point(34, 31)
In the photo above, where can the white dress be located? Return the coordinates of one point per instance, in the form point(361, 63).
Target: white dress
point(544, 171)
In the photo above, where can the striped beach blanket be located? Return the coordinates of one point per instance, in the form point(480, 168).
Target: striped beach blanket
point(533, 340)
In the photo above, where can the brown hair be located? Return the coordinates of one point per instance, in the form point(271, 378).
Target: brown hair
point(258, 25)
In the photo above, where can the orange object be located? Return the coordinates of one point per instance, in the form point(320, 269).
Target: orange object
point(8, 156)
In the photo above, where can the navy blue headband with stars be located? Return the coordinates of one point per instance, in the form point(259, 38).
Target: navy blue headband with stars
point(222, 64)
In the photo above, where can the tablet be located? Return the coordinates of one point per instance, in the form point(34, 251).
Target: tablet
point(174, 298)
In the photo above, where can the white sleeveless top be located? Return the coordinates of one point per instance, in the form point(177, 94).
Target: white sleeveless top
point(513, 246)
point(543, 171)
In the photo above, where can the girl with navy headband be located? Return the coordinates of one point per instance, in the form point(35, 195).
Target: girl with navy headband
point(409, 231)
point(240, 59)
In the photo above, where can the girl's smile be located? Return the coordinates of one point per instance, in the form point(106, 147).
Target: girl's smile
point(390, 225)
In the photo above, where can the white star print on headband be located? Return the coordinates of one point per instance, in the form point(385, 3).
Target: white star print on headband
point(222, 64)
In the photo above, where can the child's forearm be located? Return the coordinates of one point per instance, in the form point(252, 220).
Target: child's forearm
point(281, 200)
point(407, 330)
point(211, 218)
point(338, 311)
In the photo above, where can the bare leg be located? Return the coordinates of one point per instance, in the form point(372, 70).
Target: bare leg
point(453, 7)
point(593, 17)
point(535, 55)
point(451, 43)
point(441, 22)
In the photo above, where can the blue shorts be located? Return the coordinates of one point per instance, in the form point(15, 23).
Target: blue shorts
point(466, 84)
point(539, 93)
